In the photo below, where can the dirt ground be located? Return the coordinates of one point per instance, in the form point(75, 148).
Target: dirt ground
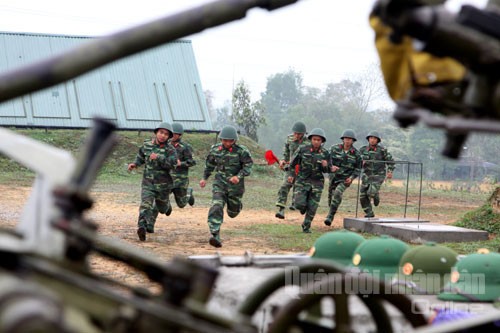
point(183, 233)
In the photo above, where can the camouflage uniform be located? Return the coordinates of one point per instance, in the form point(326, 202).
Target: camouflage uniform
point(235, 161)
point(349, 163)
point(310, 181)
point(373, 176)
point(180, 175)
point(290, 147)
point(156, 181)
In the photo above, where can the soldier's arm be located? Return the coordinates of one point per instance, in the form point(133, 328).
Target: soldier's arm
point(294, 161)
point(390, 166)
point(286, 151)
point(357, 167)
point(246, 164)
point(326, 163)
point(140, 157)
point(188, 160)
point(169, 159)
point(210, 165)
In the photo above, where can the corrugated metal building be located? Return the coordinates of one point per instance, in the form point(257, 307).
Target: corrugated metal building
point(161, 84)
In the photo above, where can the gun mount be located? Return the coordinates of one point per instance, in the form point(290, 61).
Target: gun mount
point(471, 37)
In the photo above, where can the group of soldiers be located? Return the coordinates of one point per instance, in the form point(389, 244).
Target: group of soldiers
point(167, 159)
point(305, 161)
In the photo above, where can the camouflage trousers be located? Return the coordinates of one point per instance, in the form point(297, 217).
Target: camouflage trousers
point(369, 189)
point(335, 192)
point(222, 195)
point(180, 190)
point(283, 192)
point(154, 197)
point(307, 197)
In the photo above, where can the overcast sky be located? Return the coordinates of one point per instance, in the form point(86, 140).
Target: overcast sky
point(325, 40)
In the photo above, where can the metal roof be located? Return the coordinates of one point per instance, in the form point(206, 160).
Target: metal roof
point(161, 84)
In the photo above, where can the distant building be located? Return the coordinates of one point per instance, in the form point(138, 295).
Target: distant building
point(137, 92)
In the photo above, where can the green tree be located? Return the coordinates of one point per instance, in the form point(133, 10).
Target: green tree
point(247, 115)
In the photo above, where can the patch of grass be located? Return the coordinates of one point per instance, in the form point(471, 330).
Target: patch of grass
point(283, 237)
point(483, 218)
point(471, 247)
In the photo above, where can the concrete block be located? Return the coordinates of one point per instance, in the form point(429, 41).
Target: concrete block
point(366, 224)
point(424, 232)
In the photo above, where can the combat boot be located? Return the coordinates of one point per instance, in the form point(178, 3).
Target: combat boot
point(292, 207)
point(368, 215)
point(329, 217)
point(376, 200)
point(150, 229)
point(306, 226)
point(215, 240)
point(191, 197)
point(141, 232)
point(169, 209)
point(280, 213)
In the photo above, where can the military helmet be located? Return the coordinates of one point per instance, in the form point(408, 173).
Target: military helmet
point(425, 268)
point(318, 132)
point(349, 133)
point(474, 278)
point(337, 246)
point(379, 256)
point(177, 128)
point(375, 134)
point(299, 127)
point(228, 132)
point(166, 126)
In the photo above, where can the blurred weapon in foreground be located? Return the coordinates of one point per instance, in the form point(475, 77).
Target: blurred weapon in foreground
point(439, 63)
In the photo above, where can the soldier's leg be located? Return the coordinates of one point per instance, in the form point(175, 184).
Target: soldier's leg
point(162, 203)
point(365, 200)
point(180, 195)
point(375, 190)
point(314, 197)
point(336, 200)
point(301, 195)
point(216, 216)
point(150, 228)
point(331, 188)
point(145, 210)
point(282, 197)
point(190, 196)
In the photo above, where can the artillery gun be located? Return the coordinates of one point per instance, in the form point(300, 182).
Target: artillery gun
point(46, 284)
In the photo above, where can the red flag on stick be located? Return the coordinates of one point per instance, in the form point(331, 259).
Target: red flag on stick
point(270, 157)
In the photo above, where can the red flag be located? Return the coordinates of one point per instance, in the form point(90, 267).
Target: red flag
point(270, 157)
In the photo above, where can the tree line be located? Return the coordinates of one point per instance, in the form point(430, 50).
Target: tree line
point(351, 103)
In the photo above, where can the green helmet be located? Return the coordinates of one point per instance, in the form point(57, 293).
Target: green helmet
point(374, 134)
point(337, 246)
point(349, 133)
point(228, 132)
point(424, 269)
point(299, 127)
point(474, 278)
point(177, 128)
point(318, 132)
point(166, 126)
point(379, 256)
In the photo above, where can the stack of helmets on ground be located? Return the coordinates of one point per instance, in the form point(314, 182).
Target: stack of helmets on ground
point(425, 269)
point(379, 257)
point(475, 278)
point(337, 246)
